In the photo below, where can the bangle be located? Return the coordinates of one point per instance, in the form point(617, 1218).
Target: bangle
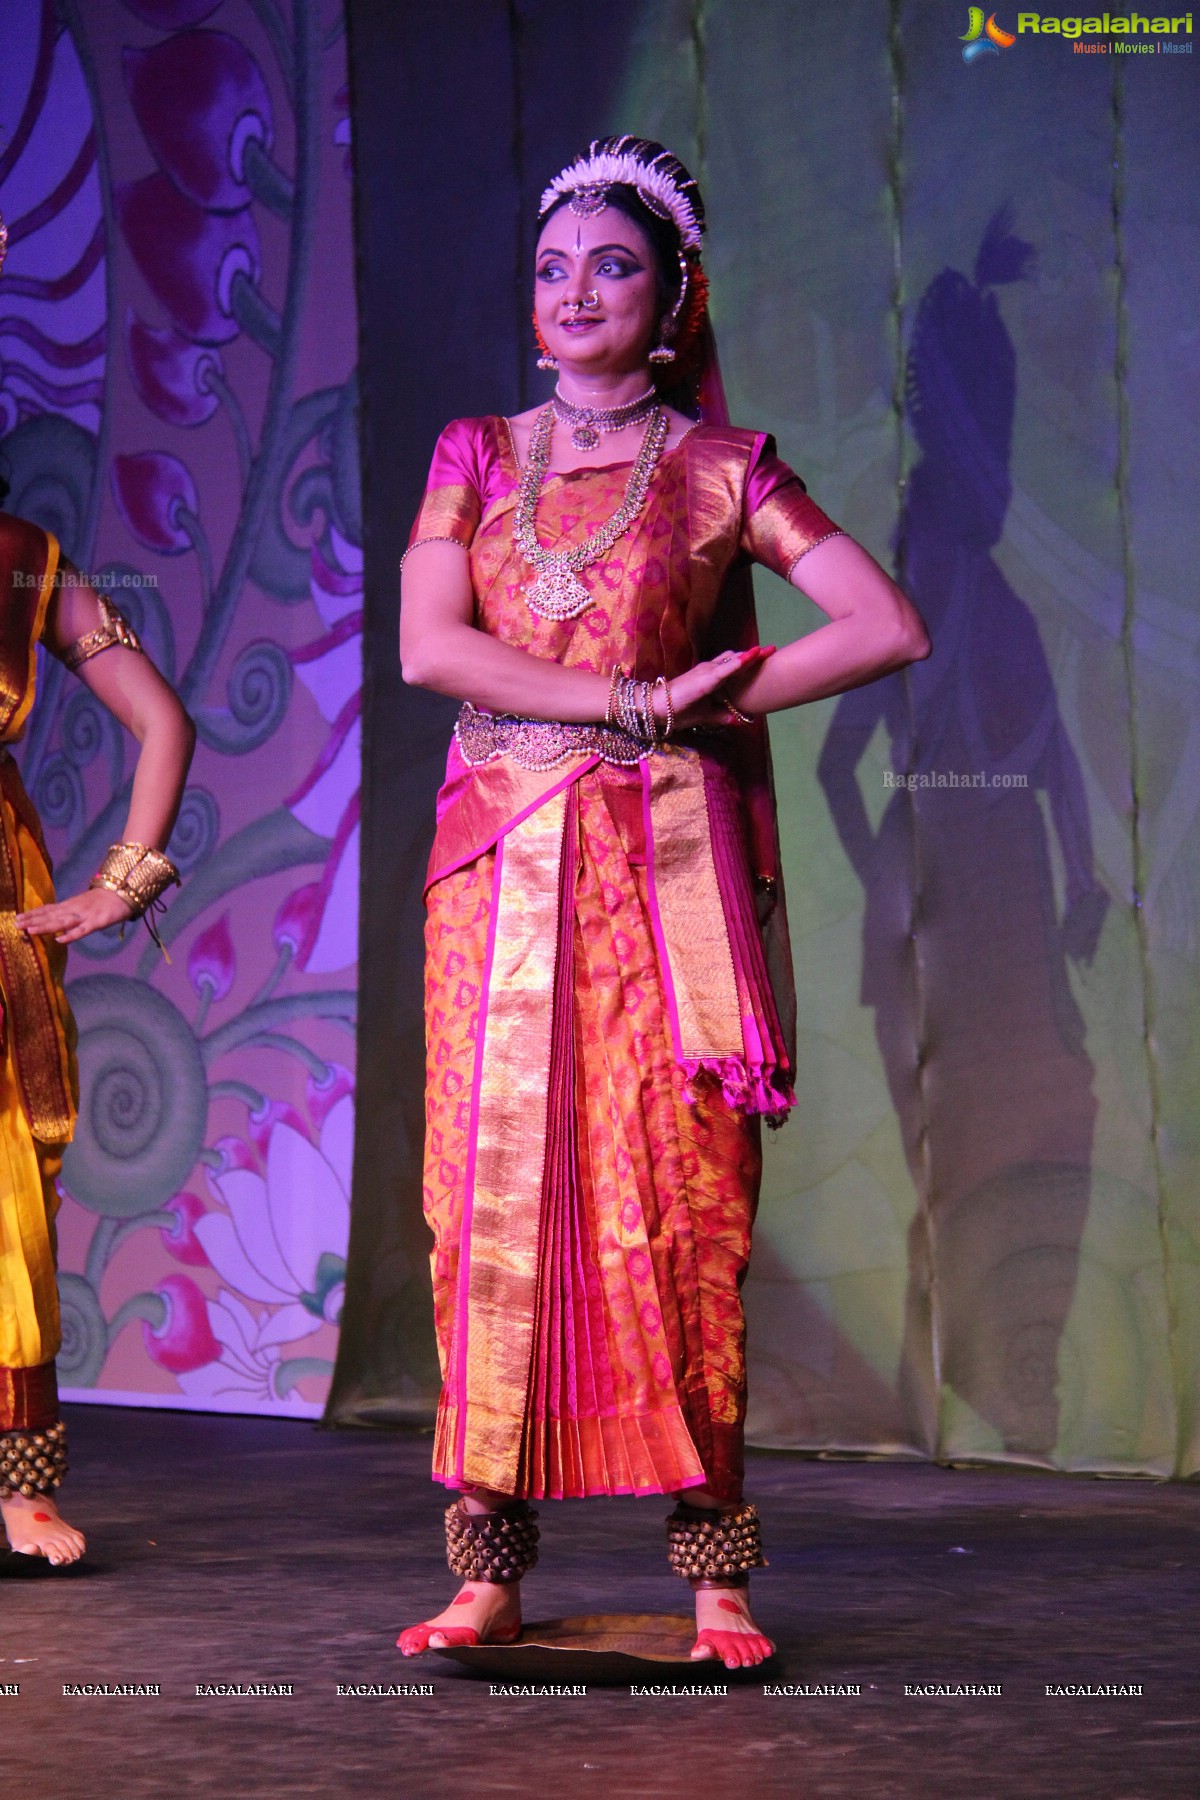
point(668, 724)
point(139, 873)
point(610, 711)
point(741, 717)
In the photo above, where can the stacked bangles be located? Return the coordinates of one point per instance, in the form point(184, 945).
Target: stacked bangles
point(631, 707)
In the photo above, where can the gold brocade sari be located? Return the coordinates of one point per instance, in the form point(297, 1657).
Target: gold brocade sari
point(601, 1031)
point(37, 1074)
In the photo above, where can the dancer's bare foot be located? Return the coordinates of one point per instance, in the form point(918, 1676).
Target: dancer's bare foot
point(37, 1528)
point(725, 1631)
point(488, 1610)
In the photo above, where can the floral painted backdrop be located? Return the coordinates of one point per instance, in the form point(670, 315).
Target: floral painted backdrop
point(178, 404)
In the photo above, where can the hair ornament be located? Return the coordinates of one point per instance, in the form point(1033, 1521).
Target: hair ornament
point(616, 162)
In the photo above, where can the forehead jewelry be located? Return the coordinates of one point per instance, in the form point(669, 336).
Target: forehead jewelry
point(587, 201)
point(586, 181)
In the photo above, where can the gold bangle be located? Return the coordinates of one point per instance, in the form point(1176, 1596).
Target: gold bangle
point(668, 725)
point(741, 717)
point(138, 872)
point(610, 717)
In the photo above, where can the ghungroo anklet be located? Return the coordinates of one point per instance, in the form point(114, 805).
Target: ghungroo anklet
point(32, 1462)
point(498, 1546)
point(711, 1548)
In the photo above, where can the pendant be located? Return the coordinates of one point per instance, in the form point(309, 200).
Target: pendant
point(556, 594)
point(585, 436)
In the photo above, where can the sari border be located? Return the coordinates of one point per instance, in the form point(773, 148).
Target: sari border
point(462, 1306)
point(518, 818)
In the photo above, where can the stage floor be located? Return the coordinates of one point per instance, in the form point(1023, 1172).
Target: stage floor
point(240, 1551)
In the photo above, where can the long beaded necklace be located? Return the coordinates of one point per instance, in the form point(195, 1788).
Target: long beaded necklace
point(587, 422)
point(557, 593)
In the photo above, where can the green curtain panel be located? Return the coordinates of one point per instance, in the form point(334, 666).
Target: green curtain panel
point(962, 296)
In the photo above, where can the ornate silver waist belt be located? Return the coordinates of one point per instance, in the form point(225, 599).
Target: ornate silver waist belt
point(539, 743)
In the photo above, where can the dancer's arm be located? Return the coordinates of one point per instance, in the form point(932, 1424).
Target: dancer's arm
point(873, 629)
point(132, 689)
point(441, 648)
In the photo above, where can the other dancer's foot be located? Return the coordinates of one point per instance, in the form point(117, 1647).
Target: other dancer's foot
point(725, 1630)
point(36, 1528)
point(482, 1612)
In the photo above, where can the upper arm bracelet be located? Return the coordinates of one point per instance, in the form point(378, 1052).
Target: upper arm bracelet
point(443, 539)
point(821, 540)
point(115, 629)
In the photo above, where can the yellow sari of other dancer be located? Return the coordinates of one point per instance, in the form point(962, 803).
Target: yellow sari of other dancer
point(37, 1074)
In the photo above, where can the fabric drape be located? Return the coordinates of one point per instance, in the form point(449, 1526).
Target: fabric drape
point(603, 1034)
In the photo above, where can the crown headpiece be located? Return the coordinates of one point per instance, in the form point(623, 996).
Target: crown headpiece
point(660, 179)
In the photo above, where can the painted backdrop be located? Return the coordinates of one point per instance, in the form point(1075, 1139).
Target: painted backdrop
point(178, 404)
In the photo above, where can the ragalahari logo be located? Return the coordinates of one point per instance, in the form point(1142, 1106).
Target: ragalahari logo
point(984, 39)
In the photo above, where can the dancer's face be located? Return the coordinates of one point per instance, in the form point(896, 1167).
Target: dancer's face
point(609, 257)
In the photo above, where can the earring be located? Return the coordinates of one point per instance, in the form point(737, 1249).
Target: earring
point(663, 353)
point(545, 360)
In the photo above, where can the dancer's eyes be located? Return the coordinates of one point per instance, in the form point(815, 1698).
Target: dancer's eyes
point(618, 266)
point(551, 271)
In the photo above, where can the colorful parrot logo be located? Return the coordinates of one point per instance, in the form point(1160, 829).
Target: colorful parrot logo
point(980, 39)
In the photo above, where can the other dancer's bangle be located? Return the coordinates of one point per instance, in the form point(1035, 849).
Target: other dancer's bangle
point(741, 717)
point(139, 873)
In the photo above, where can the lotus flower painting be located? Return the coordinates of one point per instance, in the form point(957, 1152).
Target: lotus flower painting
point(178, 405)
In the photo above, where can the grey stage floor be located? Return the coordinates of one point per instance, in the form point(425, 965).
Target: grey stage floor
point(240, 1551)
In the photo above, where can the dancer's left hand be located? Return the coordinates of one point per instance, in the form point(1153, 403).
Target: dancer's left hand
point(78, 917)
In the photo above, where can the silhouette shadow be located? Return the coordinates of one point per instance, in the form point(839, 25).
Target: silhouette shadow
point(965, 945)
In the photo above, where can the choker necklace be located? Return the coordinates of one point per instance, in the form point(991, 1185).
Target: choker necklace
point(587, 422)
point(557, 592)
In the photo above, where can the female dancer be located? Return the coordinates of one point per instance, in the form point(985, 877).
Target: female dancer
point(604, 1037)
point(43, 599)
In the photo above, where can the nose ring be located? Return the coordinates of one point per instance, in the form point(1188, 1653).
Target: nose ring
point(592, 300)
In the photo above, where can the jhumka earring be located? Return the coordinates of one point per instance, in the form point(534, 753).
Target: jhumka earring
point(545, 360)
point(664, 352)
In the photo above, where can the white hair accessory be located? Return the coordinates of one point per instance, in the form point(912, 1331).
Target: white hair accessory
point(589, 175)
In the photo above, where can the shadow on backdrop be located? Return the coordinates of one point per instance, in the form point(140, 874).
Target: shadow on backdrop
point(965, 942)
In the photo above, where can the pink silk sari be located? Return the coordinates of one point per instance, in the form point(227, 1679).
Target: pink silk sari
point(603, 1035)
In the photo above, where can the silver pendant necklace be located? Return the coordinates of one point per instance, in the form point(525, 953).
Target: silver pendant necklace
point(587, 422)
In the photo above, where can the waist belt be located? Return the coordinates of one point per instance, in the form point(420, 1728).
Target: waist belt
point(540, 743)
